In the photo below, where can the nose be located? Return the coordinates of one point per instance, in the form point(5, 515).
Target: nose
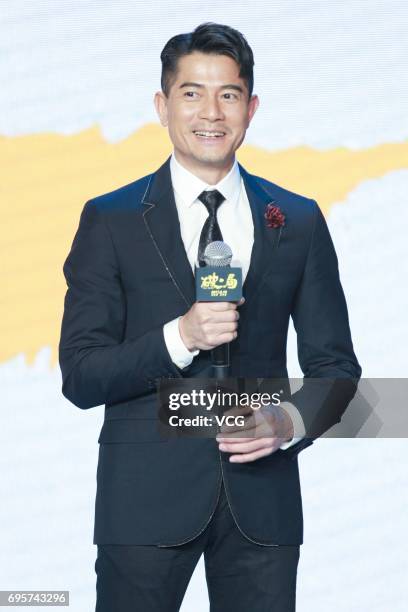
point(211, 109)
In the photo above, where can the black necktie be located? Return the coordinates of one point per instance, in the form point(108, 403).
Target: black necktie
point(211, 230)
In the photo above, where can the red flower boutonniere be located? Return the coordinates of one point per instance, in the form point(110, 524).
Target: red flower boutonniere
point(274, 219)
point(274, 216)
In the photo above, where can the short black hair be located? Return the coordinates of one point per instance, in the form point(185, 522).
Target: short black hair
point(211, 38)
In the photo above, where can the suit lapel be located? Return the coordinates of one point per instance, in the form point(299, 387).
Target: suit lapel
point(265, 239)
point(162, 223)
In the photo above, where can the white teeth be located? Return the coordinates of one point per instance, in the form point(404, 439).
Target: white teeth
point(214, 134)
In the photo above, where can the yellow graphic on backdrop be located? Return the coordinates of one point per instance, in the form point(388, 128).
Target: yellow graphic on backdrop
point(47, 178)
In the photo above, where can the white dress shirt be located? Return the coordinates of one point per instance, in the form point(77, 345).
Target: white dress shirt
point(234, 211)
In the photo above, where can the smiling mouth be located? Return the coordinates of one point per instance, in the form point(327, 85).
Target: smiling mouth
point(208, 135)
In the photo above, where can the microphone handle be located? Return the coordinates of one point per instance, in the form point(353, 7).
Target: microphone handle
point(220, 357)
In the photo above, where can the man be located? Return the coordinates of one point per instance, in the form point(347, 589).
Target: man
point(131, 319)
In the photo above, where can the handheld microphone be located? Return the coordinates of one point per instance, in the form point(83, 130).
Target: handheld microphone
point(217, 281)
point(218, 254)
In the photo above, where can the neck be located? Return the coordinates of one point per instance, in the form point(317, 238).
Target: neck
point(209, 174)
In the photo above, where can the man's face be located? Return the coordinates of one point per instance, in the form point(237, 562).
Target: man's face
point(207, 96)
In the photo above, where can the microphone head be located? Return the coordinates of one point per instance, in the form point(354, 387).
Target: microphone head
point(218, 254)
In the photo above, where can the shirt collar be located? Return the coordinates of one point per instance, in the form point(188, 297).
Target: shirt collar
point(188, 186)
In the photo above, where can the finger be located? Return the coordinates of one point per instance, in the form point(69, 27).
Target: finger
point(224, 327)
point(226, 337)
point(251, 456)
point(225, 316)
point(259, 431)
point(245, 411)
point(237, 437)
point(247, 446)
point(220, 306)
point(250, 429)
point(249, 424)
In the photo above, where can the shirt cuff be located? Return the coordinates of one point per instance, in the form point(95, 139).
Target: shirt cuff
point(298, 424)
point(179, 353)
point(291, 442)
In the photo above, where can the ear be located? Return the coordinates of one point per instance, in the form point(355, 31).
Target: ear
point(252, 107)
point(160, 102)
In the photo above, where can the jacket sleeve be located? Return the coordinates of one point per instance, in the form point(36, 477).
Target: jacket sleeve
point(325, 349)
point(98, 365)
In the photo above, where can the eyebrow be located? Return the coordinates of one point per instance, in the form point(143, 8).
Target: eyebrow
point(229, 86)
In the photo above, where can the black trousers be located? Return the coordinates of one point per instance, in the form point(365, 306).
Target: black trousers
point(241, 576)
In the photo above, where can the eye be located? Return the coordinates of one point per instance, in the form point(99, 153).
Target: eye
point(190, 94)
point(232, 96)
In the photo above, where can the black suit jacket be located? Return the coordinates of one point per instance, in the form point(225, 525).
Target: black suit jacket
point(128, 274)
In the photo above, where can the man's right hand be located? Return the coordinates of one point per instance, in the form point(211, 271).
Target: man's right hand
point(209, 324)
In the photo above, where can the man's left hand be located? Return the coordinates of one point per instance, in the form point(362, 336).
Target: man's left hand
point(265, 430)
